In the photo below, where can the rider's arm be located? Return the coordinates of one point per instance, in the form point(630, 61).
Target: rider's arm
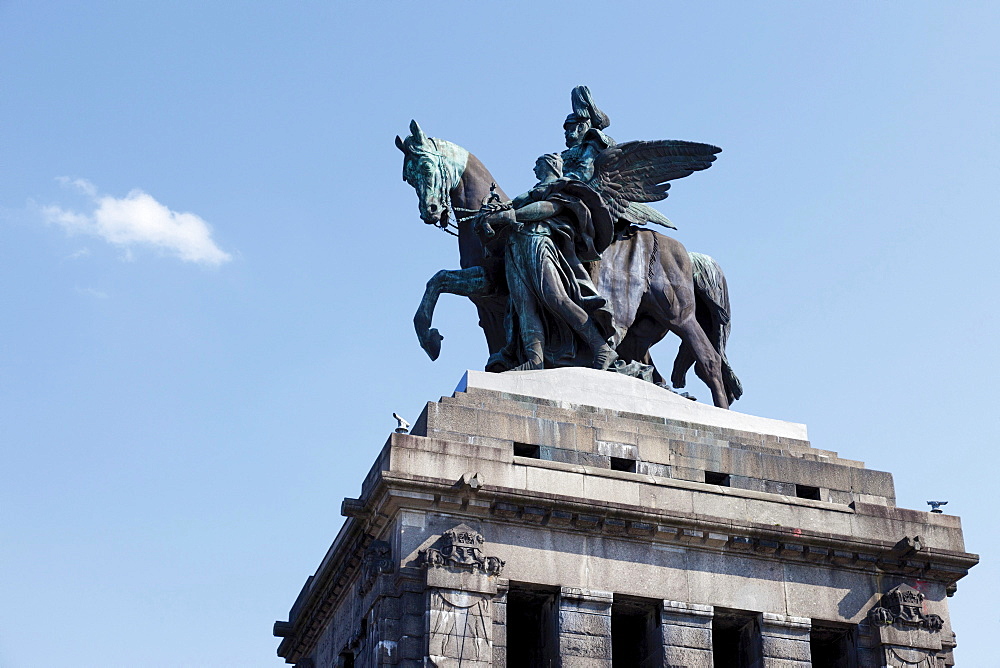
point(538, 211)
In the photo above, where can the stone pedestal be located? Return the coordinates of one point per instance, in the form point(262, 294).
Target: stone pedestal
point(581, 518)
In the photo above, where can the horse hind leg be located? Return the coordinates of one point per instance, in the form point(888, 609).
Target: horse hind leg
point(685, 360)
point(644, 333)
point(709, 362)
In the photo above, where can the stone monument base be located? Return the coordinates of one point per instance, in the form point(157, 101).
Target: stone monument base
point(574, 517)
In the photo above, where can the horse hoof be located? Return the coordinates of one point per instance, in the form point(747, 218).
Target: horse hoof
point(431, 343)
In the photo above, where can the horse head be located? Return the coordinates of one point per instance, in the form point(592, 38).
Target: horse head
point(434, 168)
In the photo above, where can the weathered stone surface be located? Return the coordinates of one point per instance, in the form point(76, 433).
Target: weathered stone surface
point(586, 534)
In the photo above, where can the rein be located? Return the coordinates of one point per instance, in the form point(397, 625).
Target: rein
point(469, 213)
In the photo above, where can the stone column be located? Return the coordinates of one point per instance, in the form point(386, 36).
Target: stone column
point(686, 630)
point(584, 628)
point(461, 584)
point(785, 641)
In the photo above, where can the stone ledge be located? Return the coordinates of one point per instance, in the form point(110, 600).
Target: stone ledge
point(705, 487)
point(577, 386)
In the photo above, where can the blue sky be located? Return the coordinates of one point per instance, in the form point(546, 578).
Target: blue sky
point(209, 266)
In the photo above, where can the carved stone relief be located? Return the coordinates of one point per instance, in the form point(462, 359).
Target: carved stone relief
point(461, 548)
point(376, 560)
point(903, 605)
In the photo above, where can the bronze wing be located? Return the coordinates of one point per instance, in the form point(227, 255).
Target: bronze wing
point(641, 171)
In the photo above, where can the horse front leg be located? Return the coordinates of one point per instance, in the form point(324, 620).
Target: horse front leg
point(471, 282)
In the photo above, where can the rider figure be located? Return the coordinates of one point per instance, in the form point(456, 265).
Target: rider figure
point(554, 306)
point(554, 229)
point(585, 138)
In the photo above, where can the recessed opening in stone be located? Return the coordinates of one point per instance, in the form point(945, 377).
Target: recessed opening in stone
point(527, 450)
point(807, 492)
point(713, 478)
point(622, 464)
point(346, 660)
point(736, 641)
point(635, 637)
point(833, 645)
point(531, 626)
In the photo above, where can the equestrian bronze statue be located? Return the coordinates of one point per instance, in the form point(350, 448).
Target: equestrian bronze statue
point(566, 274)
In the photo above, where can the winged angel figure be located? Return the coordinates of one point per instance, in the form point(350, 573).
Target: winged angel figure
point(552, 236)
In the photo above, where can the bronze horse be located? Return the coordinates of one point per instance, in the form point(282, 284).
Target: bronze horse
point(653, 284)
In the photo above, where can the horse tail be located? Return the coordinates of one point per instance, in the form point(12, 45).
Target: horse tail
point(712, 294)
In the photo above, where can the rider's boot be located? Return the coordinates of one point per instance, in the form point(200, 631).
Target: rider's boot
point(534, 359)
point(604, 355)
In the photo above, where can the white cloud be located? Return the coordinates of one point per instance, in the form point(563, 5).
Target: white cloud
point(139, 220)
point(83, 185)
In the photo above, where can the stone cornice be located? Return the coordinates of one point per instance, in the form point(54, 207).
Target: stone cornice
point(315, 605)
point(690, 529)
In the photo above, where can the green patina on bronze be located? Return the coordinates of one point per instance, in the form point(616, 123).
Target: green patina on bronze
point(565, 274)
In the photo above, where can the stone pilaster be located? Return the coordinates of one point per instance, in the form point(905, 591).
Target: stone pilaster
point(906, 634)
point(500, 624)
point(785, 641)
point(584, 628)
point(461, 584)
point(686, 631)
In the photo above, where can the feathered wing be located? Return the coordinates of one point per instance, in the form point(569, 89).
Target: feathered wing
point(641, 171)
point(640, 214)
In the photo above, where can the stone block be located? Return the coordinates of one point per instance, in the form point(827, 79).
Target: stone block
point(876, 483)
point(489, 442)
point(553, 481)
point(653, 469)
point(590, 599)
point(715, 504)
point(783, 488)
point(620, 450)
point(386, 652)
point(590, 647)
point(684, 473)
point(775, 647)
point(615, 435)
point(410, 663)
point(576, 457)
point(583, 662)
point(743, 482)
point(462, 580)
point(917, 638)
point(682, 635)
point(654, 448)
point(413, 603)
point(411, 646)
point(687, 657)
point(805, 472)
point(585, 623)
point(412, 625)
point(787, 663)
point(837, 496)
point(610, 489)
point(459, 646)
